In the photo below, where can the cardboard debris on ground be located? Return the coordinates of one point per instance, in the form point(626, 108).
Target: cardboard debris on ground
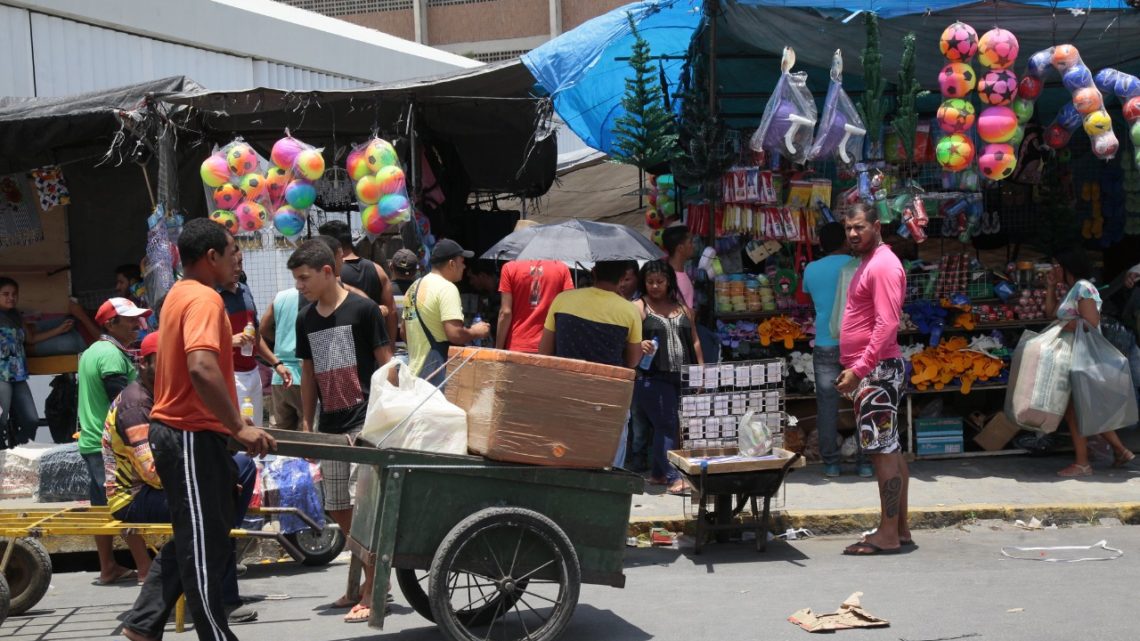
point(849, 615)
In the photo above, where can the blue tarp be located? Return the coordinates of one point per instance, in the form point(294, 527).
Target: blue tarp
point(585, 69)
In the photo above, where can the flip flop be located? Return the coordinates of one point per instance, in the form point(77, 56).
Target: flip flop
point(343, 603)
point(872, 549)
point(124, 576)
point(354, 615)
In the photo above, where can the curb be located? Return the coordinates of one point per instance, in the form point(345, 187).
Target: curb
point(856, 520)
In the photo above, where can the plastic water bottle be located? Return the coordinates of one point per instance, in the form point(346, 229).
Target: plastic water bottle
point(251, 332)
point(647, 360)
point(247, 408)
point(478, 342)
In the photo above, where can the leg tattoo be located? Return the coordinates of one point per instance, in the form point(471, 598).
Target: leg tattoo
point(892, 491)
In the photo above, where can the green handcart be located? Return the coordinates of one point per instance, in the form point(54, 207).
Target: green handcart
point(485, 550)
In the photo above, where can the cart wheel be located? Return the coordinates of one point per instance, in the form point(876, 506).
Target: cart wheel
point(412, 583)
point(5, 599)
point(317, 549)
point(504, 573)
point(28, 573)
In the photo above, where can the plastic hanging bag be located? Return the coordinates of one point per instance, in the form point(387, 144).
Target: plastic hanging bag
point(787, 127)
point(841, 130)
point(380, 185)
point(753, 437)
point(1103, 394)
point(846, 273)
point(1039, 387)
point(291, 183)
point(236, 185)
point(433, 424)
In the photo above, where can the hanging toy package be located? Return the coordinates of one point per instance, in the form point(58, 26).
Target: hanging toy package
point(235, 182)
point(381, 188)
point(787, 127)
point(841, 130)
point(289, 183)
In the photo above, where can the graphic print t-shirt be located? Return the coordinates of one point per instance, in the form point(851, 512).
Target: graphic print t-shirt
point(341, 346)
point(533, 284)
point(13, 359)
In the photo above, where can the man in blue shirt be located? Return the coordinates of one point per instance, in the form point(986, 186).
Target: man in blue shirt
point(821, 282)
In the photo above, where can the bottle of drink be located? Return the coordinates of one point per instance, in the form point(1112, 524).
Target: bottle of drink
point(478, 342)
point(251, 332)
point(647, 360)
point(247, 408)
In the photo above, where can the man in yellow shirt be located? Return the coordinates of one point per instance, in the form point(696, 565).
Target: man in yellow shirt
point(595, 323)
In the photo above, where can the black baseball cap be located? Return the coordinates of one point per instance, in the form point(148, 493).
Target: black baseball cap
point(447, 249)
point(405, 260)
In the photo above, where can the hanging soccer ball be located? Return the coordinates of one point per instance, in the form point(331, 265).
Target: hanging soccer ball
point(957, 79)
point(997, 49)
point(1087, 100)
point(959, 42)
point(227, 196)
point(242, 159)
point(956, 116)
point(225, 218)
point(997, 87)
point(654, 219)
point(997, 161)
point(1097, 122)
point(954, 152)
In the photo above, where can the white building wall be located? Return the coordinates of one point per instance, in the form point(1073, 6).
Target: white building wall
point(16, 50)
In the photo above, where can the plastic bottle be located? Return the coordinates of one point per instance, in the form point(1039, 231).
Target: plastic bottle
point(647, 360)
point(247, 408)
point(251, 332)
point(478, 342)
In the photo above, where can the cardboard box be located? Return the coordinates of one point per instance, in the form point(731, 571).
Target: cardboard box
point(998, 431)
point(941, 435)
point(934, 445)
point(540, 410)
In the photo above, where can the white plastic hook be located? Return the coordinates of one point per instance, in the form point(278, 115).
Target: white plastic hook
point(797, 122)
point(848, 131)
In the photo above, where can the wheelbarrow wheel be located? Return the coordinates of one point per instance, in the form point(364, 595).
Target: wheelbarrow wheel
point(504, 573)
point(317, 549)
point(412, 584)
point(28, 574)
point(5, 599)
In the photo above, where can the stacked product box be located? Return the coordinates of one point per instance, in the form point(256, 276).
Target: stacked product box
point(715, 397)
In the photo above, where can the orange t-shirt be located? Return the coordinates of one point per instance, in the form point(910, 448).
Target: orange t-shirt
point(193, 318)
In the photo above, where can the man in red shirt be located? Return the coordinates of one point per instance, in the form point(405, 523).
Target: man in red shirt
point(195, 411)
point(528, 287)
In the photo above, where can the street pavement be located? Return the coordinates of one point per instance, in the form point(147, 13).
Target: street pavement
point(955, 585)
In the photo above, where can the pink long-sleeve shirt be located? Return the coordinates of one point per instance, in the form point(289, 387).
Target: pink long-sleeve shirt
point(869, 332)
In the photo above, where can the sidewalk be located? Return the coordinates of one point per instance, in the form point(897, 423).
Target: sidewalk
point(942, 493)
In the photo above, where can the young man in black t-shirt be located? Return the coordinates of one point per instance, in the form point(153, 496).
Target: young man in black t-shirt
point(341, 341)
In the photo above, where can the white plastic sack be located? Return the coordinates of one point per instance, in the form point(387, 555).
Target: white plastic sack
point(435, 426)
point(1039, 387)
point(753, 437)
point(1103, 394)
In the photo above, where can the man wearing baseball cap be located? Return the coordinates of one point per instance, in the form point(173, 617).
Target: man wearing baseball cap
point(433, 313)
point(105, 369)
point(405, 264)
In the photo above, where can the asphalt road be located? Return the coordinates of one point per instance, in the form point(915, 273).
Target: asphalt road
point(956, 585)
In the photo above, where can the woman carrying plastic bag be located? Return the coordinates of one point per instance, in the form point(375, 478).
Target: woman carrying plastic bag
point(1081, 310)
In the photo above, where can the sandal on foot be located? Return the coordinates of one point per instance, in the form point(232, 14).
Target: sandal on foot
point(1123, 461)
point(343, 603)
point(657, 480)
point(866, 548)
point(679, 488)
point(122, 577)
point(1076, 470)
point(358, 614)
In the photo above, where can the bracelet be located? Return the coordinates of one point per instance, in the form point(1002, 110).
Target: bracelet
point(277, 364)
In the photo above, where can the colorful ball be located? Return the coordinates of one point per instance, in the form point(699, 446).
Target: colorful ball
point(379, 153)
point(956, 116)
point(288, 221)
point(215, 171)
point(356, 165)
point(1132, 109)
point(253, 186)
point(654, 219)
point(300, 194)
point(1065, 56)
point(371, 220)
point(957, 79)
point(1023, 109)
point(276, 179)
point(659, 238)
point(959, 42)
point(997, 87)
point(997, 124)
point(997, 161)
point(1087, 100)
point(1018, 136)
point(225, 218)
point(1077, 77)
point(227, 196)
point(997, 49)
point(1030, 87)
point(1127, 86)
point(668, 209)
point(392, 206)
point(1069, 117)
point(954, 152)
point(1098, 122)
point(1057, 136)
point(242, 159)
point(284, 152)
point(368, 190)
point(390, 179)
point(251, 217)
point(1040, 63)
point(310, 164)
point(1105, 145)
point(1105, 80)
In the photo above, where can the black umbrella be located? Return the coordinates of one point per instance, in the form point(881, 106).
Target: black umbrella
point(575, 242)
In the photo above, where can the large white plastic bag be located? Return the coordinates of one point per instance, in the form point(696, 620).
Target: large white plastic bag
point(753, 438)
point(1103, 394)
point(1039, 388)
point(436, 426)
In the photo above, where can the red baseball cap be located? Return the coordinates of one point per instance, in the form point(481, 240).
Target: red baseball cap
point(149, 345)
point(119, 307)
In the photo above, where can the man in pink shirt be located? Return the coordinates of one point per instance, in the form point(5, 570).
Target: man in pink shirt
point(873, 373)
point(678, 243)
